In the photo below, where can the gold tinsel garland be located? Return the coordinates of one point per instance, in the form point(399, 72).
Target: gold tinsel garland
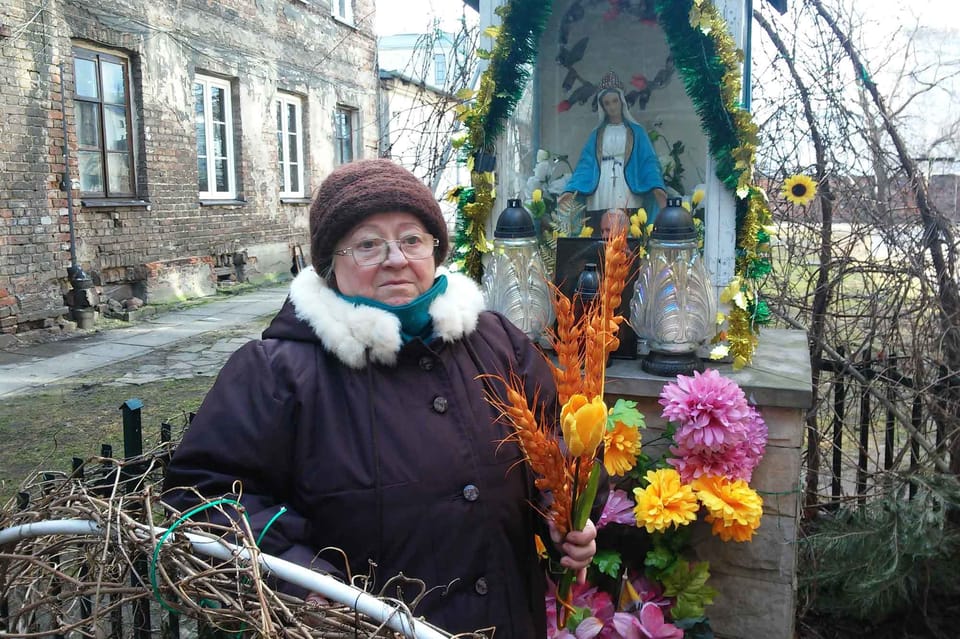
point(743, 320)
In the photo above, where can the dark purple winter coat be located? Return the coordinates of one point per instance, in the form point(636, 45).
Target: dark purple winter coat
point(387, 451)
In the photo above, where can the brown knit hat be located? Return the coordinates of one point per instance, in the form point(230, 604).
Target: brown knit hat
point(359, 189)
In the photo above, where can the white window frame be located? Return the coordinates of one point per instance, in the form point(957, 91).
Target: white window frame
point(343, 10)
point(208, 82)
point(288, 169)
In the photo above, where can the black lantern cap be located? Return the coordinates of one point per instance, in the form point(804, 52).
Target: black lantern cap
point(674, 223)
point(588, 282)
point(514, 222)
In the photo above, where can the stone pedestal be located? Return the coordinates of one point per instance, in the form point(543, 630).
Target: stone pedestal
point(756, 580)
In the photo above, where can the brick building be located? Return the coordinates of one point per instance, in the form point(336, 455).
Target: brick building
point(197, 131)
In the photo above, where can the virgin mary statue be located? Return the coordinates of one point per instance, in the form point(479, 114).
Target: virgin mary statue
point(618, 168)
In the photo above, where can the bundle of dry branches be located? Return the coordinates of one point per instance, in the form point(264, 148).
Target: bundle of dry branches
point(92, 585)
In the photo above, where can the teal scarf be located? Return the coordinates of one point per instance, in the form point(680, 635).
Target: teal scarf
point(414, 316)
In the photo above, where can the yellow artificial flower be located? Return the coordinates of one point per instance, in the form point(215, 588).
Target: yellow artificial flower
point(730, 290)
point(686, 205)
point(649, 229)
point(635, 230)
point(453, 195)
point(733, 508)
point(583, 423)
point(621, 445)
point(697, 197)
point(665, 502)
point(640, 217)
point(537, 195)
point(719, 351)
point(586, 231)
point(799, 189)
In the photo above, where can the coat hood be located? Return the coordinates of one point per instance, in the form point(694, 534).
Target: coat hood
point(354, 333)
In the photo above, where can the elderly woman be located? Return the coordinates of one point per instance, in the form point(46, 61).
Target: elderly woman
point(617, 167)
point(362, 413)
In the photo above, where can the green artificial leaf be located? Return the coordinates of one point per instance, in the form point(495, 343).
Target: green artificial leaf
point(659, 558)
point(688, 583)
point(577, 617)
point(625, 411)
point(608, 562)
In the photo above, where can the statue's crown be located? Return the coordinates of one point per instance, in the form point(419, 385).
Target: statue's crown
point(610, 81)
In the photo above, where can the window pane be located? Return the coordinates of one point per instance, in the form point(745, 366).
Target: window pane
point(279, 116)
point(118, 173)
point(280, 147)
point(88, 125)
point(91, 173)
point(292, 118)
point(294, 179)
point(202, 174)
point(113, 84)
point(198, 100)
point(217, 108)
point(86, 78)
point(293, 148)
point(220, 140)
point(201, 139)
point(221, 176)
point(115, 128)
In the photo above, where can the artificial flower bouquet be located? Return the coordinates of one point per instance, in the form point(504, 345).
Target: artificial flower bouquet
point(640, 585)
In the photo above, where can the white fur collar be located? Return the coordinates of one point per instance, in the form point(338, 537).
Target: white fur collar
point(350, 330)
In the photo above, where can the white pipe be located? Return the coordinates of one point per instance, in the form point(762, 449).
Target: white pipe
point(329, 587)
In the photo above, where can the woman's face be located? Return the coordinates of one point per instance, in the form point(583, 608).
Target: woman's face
point(612, 107)
point(395, 281)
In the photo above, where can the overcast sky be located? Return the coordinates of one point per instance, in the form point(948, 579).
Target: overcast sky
point(417, 16)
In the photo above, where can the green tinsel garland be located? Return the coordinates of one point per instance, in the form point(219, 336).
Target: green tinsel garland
point(516, 47)
point(708, 61)
point(702, 71)
point(501, 87)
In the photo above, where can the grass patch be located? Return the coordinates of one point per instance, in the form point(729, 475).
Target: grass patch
point(44, 431)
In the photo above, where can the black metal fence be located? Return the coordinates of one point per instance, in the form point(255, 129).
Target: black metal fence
point(858, 435)
point(122, 617)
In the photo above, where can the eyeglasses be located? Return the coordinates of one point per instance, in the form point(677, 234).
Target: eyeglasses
point(375, 250)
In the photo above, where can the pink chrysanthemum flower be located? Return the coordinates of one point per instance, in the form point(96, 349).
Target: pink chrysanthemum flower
point(719, 433)
point(617, 510)
point(708, 407)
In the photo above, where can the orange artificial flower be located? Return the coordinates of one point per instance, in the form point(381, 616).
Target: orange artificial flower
point(621, 445)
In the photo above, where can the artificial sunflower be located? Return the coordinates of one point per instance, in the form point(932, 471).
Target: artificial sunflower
point(799, 189)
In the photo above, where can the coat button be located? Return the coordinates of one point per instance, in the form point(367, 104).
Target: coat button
point(471, 492)
point(480, 585)
point(426, 363)
point(440, 404)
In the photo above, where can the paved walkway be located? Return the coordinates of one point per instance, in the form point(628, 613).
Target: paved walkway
point(191, 342)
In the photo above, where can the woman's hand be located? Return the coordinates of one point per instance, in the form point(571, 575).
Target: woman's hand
point(578, 548)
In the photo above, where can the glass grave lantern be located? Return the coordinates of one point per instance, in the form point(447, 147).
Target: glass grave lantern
point(515, 281)
point(673, 305)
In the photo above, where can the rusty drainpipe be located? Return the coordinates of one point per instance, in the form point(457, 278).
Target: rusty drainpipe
point(80, 306)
